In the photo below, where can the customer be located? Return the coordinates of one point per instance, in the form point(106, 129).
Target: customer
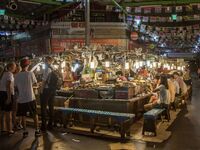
point(198, 72)
point(182, 85)
point(188, 81)
point(120, 76)
point(26, 102)
point(156, 81)
point(7, 94)
point(177, 87)
point(2, 122)
point(153, 102)
point(47, 96)
point(172, 91)
point(186, 77)
point(16, 123)
point(164, 95)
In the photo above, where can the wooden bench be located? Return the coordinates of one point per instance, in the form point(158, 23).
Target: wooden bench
point(124, 120)
point(150, 120)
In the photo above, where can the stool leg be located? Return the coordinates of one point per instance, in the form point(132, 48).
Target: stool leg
point(122, 131)
point(92, 124)
point(155, 134)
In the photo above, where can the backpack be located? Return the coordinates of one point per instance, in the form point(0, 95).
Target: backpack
point(55, 80)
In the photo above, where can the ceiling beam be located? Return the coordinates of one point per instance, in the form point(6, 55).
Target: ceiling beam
point(160, 2)
point(51, 2)
point(58, 8)
point(18, 15)
point(119, 6)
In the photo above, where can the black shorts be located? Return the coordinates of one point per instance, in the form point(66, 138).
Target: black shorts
point(24, 108)
point(14, 106)
point(3, 99)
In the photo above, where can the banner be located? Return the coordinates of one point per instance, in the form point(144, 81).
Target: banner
point(153, 19)
point(138, 10)
point(128, 9)
point(179, 8)
point(168, 9)
point(147, 10)
point(158, 9)
point(145, 19)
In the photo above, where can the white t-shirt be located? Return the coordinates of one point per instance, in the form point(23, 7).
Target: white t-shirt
point(7, 76)
point(177, 87)
point(24, 82)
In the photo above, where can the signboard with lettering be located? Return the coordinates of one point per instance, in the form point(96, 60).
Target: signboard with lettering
point(2, 11)
point(59, 45)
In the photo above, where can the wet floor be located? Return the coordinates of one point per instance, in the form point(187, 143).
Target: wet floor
point(185, 135)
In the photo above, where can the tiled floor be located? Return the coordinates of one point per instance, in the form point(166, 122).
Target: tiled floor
point(185, 135)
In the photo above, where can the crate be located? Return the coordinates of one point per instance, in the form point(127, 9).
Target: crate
point(86, 93)
point(124, 93)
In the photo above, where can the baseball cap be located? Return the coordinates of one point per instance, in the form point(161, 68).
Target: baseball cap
point(25, 62)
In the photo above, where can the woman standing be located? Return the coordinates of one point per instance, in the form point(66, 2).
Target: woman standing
point(17, 123)
point(7, 95)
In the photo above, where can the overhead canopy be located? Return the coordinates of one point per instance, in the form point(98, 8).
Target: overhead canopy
point(32, 8)
point(134, 3)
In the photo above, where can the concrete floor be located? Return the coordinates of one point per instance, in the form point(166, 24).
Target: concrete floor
point(185, 135)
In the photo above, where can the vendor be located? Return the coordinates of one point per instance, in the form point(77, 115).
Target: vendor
point(153, 102)
point(120, 76)
point(144, 72)
point(67, 76)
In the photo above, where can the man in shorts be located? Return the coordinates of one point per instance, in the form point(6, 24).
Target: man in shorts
point(26, 101)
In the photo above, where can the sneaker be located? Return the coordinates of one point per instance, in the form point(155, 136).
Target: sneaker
point(37, 133)
point(25, 134)
point(20, 126)
point(10, 133)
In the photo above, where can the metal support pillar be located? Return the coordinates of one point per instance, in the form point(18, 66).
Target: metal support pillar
point(87, 22)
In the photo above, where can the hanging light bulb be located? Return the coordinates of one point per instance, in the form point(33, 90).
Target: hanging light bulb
point(107, 64)
point(159, 64)
point(137, 65)
point(63, 64)
point(168, 67)
point(92, 65)
point(43, 66)
point(154, 64)
point(127, 65)
point(151, 66)
point(148, 63)
point(141, 63)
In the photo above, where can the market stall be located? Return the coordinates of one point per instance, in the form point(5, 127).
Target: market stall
point(105, 79)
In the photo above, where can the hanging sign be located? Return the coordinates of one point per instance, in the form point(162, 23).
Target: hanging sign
point(174, 17)
point(179, 8)
point(2, 11)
